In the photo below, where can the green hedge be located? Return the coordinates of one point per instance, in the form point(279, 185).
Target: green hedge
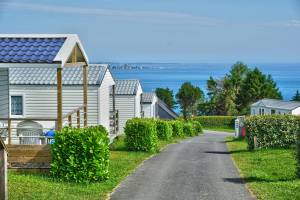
point(177, 127)
point(216, 121)
point(81, 155)
point(164, 130)
point(298, 155)
point(141, 135)
point(271, 131)
point(197, 127)
point(188, 129)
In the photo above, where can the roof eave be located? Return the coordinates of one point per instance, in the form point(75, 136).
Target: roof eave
point(65, 51)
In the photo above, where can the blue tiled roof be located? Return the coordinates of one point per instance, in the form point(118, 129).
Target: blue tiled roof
point(29, 50)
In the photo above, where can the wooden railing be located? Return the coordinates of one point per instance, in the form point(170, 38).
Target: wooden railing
point(114, 122)
point(77, 112)
point(9, 131)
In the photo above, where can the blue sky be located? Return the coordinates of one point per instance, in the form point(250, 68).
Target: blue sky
point(166, 30)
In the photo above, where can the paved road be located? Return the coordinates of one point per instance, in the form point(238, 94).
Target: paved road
point(197, 168)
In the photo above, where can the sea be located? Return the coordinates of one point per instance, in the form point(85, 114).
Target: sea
point(172, 75)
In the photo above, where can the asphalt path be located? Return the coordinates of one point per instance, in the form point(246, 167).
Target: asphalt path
point(196, 168)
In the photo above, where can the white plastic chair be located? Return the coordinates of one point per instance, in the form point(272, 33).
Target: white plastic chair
point(29, 128)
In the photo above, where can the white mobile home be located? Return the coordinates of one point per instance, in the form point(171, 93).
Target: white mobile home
point(127, 100)
point(274, 106)
point(41, 52)
point(149, 105)
point(33, 93)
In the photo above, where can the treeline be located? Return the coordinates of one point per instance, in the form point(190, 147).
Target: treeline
point(231, 95)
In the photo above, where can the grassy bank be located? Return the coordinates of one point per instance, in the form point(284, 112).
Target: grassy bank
point(222, 129)
point(269, 173)
point(38, 186)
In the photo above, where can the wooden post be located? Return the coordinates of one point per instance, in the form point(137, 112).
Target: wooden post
point(70, 120)
point(78, 118)
point(3, 171)
point(114, 108)
point(141, 106)
point(85, 95)
point(59, 99)
point(9, 130)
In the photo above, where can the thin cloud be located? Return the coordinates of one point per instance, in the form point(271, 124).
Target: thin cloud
point(111, 12)
point(293, 23)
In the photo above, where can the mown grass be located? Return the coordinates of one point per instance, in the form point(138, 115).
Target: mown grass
point(269, 173)
point(222, 129)
point(43, 186)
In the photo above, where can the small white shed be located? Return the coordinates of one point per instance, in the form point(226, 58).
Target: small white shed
point(149, 105)
point(274, 106)
point(127, 100)
point(33, 93)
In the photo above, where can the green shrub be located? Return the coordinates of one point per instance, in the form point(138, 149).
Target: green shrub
point(271, 131)
point(177, 128)
point(197, 127)
point(216, 121)
point(188, 129)
point(164, 130)
point(141, 135)
point(298, 155)
point(81, 155)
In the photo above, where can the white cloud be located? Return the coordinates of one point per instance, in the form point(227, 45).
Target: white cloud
point(156, 15)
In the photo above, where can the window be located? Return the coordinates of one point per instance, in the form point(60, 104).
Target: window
point(17, 105)
point(273, 112)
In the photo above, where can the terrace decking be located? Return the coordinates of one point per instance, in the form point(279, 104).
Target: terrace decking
point(29, 157)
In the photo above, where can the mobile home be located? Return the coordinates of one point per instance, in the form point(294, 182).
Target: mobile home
point(128, 95)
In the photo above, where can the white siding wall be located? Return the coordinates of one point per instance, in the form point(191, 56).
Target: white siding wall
point(41, 101)
point(296, 111)
point(125, 104)
point(268, 111)
point(104, 101)
point(147, 109)
point(4, 93)
point(150, 110)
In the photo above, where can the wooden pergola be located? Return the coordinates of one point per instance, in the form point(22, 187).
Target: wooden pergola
point(70, 54)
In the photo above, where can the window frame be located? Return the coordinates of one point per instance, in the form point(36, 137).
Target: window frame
point(23, 105)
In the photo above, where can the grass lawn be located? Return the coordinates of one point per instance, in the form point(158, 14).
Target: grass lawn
point(269, 173)
point(38, 186)
point(222, 129)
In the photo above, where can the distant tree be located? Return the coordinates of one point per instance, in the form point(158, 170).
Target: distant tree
point(223, 92)
point(166, 95)
point(257, 86)
point(233, 94)
point(189, 97)
point(296, 97)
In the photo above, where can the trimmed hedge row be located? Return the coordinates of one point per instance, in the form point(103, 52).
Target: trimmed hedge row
point(271, 131)
point(216, 121)
point(143, 134)
point(177, 128)
point(197, 127)
point(81, 155)
point(164, 130)
point(188, 129)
